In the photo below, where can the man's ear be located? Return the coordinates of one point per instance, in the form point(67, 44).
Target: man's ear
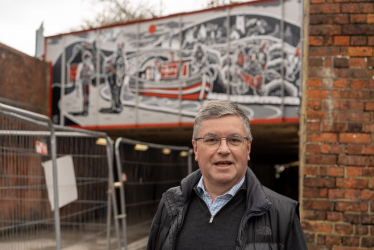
point(249, 145)
point(194, 144)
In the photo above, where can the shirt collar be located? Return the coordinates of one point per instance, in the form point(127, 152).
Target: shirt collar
point(231, 192)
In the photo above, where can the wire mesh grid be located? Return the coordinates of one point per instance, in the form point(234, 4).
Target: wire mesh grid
point(147, 171)
point(26, 219)
point(84, 220)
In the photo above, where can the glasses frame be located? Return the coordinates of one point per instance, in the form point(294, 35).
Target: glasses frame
point(202, 138)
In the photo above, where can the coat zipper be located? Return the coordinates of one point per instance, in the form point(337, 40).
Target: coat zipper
point(211, 218)
point(212, 215)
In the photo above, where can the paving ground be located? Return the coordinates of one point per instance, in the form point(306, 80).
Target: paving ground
point(137, 236)
point(78, 239)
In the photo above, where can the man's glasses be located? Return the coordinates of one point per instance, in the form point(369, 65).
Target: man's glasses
point(213, 142)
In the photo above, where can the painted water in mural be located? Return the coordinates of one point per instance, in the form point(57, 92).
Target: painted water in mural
point(161, 71)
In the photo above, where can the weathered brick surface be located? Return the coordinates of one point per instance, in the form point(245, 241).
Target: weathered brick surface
point(338, 183)
point(24, 80)
point(341, 63)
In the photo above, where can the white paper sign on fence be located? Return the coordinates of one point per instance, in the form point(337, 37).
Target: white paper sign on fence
point(67, 185)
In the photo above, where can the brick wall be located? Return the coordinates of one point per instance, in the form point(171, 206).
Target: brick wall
point(24, 81)
point(338, 125)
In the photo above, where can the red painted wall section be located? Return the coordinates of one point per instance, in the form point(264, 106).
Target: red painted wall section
point(24, 81)
point(338, 183)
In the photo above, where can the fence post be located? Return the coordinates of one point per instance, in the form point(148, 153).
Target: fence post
point(122, 191)
point(55, 186)
point(111, 189)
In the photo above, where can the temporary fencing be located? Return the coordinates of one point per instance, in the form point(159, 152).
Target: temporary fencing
point(54, 199)
point(145, 171)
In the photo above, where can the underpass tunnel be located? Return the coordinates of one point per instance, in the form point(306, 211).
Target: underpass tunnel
point(274, 153)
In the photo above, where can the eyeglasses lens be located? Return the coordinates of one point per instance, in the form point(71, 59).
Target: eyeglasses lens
point(213, 142)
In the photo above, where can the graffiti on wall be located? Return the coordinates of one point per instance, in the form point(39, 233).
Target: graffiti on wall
point(172, 68)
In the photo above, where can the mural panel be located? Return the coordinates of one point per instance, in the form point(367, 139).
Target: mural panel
point(161, 71)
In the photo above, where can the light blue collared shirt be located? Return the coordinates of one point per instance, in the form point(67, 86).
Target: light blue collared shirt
point(221, 200)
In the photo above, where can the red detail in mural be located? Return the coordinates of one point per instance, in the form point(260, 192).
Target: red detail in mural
point(254, 81)
point(185, 70)
point(152, 28)
point(194, 96)
point(73, 73)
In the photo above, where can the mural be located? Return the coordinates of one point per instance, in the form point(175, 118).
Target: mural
point(162, 71)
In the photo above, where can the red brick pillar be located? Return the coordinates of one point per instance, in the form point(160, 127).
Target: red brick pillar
point(338, 126)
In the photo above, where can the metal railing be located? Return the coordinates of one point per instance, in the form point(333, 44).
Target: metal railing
point(144, 172)
point(55, 184)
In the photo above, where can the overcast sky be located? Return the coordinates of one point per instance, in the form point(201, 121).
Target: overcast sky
point(19, 19)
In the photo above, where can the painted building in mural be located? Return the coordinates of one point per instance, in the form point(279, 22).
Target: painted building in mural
point(161, 71)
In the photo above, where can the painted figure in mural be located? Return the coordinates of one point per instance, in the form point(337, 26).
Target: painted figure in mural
point(250, 70)
point(81, 70)
point(239, 85)
point(157, 69)
point(84, 75)
point(222, 205)
point(199, 60)
point(256, 27)
point(115, 71)
point(293, 64)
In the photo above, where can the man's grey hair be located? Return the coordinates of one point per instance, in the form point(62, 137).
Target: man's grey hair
point(216, 109)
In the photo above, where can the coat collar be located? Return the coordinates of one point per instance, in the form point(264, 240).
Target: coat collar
point(257, 201)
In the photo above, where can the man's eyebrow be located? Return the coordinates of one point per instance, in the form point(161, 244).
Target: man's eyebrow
point(234, 134)
point(210, 134)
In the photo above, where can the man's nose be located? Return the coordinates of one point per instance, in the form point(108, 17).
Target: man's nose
point(223, 147)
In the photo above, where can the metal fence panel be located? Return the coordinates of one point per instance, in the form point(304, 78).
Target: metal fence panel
point(27, 200)
point(26, 218)
point(145, 171)
point(84, 221)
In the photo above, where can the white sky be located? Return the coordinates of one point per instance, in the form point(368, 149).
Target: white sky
point(19, 19)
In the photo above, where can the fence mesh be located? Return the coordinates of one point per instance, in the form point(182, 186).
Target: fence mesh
point(148, 172)
point(84, 221)
point(26, 187)
point(26, 219)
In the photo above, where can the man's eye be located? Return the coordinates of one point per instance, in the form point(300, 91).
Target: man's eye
point(211, 140)
point(235, 140)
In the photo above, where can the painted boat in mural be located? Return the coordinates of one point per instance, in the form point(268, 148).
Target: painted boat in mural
point(164, 79)
point(195, 87)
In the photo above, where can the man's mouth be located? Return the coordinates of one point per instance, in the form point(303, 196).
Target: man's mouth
point(223, 163)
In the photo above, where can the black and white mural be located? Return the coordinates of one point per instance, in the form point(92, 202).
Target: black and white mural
point(161, 71)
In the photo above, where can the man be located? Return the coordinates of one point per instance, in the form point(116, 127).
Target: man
point(223, 205)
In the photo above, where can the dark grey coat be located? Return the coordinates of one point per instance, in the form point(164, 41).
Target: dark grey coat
point(265, 225)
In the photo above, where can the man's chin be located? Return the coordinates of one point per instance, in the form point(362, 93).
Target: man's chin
point(224, 178)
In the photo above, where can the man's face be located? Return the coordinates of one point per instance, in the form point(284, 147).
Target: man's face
point(222, 166)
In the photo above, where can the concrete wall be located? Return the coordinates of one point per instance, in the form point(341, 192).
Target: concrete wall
point(337, 127)
point(24, 81)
